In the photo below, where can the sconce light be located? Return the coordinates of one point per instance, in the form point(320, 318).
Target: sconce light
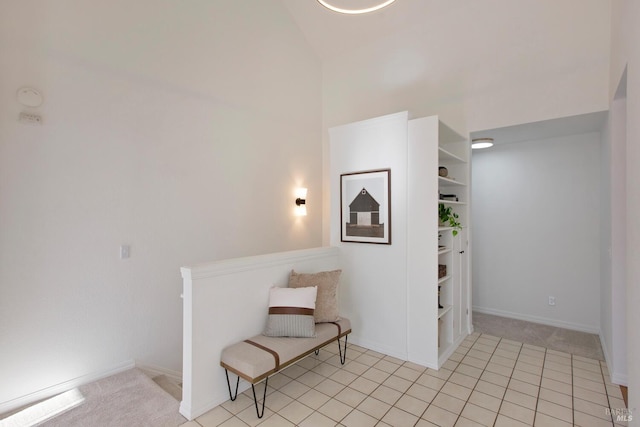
point(301, 202)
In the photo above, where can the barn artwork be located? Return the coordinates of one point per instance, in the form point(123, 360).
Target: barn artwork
point(364, 216)
point(365, 207)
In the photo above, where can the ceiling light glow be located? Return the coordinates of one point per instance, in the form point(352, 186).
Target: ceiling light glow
point(479, 143)
point(329, 6)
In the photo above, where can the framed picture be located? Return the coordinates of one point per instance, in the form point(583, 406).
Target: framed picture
point(365, 206)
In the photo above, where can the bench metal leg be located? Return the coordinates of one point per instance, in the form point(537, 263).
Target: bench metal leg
point(264, 398)
point(343, 356)
point(233, 396)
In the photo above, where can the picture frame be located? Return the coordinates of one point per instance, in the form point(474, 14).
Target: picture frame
point(365, 206)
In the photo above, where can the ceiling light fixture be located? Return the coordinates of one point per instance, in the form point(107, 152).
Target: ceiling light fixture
point(378, 6)
point(479, 143)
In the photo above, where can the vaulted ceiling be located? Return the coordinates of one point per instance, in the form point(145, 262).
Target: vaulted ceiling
point(330, 33)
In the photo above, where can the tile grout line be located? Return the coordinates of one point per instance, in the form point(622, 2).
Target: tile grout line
point(345, 386)
point(483, 371)
point(573, 387)
point(420, 417)
point(369, 367)
point(321, 362)
point(372, 391)
point(439, 390)
point(463, 352)
point(540, 388)
point(474, 387)
point(573, 393)
point(535, 412)
point(405, 392)
point(606, 391)
point(507, 386)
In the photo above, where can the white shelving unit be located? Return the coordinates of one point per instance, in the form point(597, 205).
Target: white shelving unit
point(436, 316)
point(453, 289)
point(444, 310)
point(447, 181)
point(445, 155)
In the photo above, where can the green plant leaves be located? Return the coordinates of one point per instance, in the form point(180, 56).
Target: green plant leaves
point(448, 216)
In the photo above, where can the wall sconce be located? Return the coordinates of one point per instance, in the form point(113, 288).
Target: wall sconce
point(301, 202)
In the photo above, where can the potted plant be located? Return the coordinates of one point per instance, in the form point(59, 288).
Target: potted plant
point(448, 218)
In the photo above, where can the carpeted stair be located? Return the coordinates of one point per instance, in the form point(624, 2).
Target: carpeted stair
point(126, 399)
point(170, 386)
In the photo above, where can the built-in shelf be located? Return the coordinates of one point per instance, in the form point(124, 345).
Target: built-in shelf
point(431, 150)
point(443, 311)
point(448, 156)
point(448, 181)
point(451, 202)
point(455, 186)
point(445, 347)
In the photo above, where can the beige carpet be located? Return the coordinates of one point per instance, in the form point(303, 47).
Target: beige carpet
point(126, 399)
point(560, 339)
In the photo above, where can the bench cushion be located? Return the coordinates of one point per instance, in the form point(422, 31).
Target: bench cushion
point(254, 364)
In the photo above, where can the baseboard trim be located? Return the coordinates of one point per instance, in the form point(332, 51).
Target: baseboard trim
point(620, 379)
point(447, 354)
point(536, 319)
point(53, 390)
point(614, 376)
point(191, 413)
point(605, 352)
point(374, 346)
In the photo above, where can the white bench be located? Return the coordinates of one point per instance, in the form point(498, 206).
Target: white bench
point(259, 357)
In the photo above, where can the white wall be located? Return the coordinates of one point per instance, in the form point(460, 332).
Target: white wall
point(625, 53)
point(536, 216)
point(374, 295)
point(422, 248)
point(613, 256)
point(606, 305)
point(179, 128)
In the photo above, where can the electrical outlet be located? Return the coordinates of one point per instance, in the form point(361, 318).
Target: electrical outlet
point(552, 300)
point(125, 251)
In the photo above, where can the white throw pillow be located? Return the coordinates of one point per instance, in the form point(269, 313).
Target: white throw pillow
point(291, 312)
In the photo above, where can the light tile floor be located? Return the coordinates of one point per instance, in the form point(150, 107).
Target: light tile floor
point(488, 381)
